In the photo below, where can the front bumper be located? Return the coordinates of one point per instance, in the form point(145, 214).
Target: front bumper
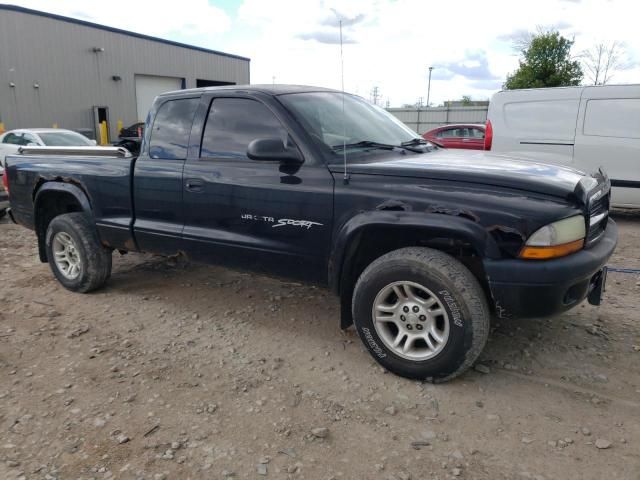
point(539, 288)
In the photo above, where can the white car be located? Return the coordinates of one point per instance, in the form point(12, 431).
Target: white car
point(12, 140)
point(584, 127)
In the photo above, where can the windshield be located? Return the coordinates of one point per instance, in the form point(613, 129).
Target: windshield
point(321, 114)
point(64, 139)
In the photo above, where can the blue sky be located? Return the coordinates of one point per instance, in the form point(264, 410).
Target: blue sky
point(229, 6)
point(389, 44)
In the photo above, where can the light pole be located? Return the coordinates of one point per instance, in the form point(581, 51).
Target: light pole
point(429, 87)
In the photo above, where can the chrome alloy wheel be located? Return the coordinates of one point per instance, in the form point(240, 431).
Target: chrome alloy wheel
point(66, 255)
point(410, 320)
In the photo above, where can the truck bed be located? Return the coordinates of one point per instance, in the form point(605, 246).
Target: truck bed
point(105, 180)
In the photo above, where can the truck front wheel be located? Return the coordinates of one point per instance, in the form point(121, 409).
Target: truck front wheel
point(421, 314)
point(75, 255)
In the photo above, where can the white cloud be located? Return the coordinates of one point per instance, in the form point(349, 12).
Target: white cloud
point(392, 41)
point(397, 40)
point(187, 18)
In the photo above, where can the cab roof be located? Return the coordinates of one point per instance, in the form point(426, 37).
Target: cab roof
point(270, 89)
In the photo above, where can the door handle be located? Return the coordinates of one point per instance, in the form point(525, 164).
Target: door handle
point(194, 185)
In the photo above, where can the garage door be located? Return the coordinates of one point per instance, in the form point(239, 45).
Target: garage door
point(149, 87)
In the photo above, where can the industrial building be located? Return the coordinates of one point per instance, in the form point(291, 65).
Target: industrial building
point(69, 73)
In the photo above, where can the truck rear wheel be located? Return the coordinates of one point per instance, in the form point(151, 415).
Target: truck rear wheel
point(421, 314)
point(75, 255)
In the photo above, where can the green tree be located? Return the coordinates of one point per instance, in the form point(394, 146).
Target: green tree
point(466, 100)
point(546, 62)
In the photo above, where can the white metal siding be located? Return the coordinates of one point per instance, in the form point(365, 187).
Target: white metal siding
point(58, 56)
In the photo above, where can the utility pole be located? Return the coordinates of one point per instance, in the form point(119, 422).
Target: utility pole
point(429, 87)
point(419, 105)
point(375, 94)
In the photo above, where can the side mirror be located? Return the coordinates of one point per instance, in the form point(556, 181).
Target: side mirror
point(273, 149)
point(32, 144)
point(93, 142)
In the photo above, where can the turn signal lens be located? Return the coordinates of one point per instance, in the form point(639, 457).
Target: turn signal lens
point(555, 251)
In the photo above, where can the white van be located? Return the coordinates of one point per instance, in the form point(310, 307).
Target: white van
point(585, 127)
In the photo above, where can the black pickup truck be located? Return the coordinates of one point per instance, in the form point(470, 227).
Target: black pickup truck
point(422, 245)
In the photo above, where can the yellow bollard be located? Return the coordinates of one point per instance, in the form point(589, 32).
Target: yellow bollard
point(119, 126)
point(1, 128)
point(104, 139)
point(55, 125)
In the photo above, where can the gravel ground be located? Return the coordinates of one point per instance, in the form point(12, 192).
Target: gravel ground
point(178, 371)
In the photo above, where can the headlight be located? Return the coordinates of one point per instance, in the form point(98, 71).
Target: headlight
point(556, 239)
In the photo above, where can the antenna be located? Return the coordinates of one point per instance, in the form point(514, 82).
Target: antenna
point(344, 123)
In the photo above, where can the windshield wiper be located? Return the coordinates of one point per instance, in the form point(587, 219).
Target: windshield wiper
point(414, 141)
point(364, 143)
point(382, 146)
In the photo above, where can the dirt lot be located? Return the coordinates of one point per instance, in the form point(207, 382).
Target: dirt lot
point(185, 372)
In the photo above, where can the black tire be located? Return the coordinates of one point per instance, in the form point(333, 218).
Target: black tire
point(95, 260)
point(458, 292)
point(3, 212)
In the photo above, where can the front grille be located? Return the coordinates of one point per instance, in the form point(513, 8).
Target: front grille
point(599, 206)
point(597, 218)
point(595, 232)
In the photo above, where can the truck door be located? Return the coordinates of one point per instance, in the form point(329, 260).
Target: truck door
point(258, 215)
point(157, 190)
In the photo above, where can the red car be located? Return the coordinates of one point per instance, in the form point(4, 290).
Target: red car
point(468, 135)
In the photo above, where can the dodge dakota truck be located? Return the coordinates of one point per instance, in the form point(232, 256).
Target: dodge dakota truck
point(422, 245)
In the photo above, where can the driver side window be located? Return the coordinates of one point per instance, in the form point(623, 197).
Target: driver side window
point(233, 123)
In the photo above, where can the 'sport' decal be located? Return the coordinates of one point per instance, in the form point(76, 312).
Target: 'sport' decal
point(281, 222)
point(296, 223)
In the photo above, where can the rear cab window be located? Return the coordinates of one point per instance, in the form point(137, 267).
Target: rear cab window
point(171, 128)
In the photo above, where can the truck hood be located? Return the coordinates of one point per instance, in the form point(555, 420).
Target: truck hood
point(473, 167)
